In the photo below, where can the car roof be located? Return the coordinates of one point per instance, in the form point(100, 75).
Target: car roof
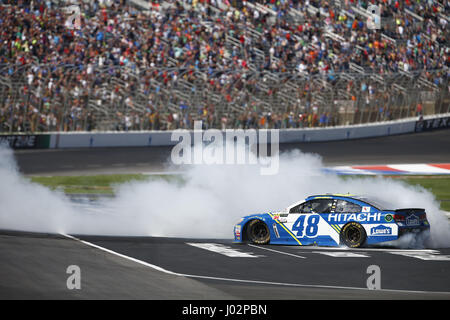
point(373, 201)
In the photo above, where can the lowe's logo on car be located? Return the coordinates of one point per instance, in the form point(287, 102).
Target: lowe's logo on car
point(361, 217)
point(380, 231)
point(412, 220)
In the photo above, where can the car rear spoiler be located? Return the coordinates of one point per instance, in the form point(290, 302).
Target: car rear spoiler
point(409, 210)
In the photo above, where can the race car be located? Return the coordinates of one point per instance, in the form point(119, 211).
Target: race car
point(332, 220)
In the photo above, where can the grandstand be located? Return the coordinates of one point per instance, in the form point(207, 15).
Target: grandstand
point(160, 65)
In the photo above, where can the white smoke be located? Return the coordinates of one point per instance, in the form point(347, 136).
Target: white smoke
point(206, 204)
point(25, 206)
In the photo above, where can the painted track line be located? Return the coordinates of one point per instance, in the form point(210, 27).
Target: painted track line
point(90, 244)
point(388, 250)
point(224, 250)
point(158, 268)
point(280, 252)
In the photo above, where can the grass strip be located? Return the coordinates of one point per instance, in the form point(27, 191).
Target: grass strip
point(439, 185)
point(95, 184)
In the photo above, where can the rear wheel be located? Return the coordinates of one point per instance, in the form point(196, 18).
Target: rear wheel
point(353, 235)
point(258, 232)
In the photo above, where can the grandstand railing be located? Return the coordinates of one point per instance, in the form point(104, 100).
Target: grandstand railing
point(41, 98)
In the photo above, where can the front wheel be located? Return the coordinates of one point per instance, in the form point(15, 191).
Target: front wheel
point(258, 232)
point(353, 235)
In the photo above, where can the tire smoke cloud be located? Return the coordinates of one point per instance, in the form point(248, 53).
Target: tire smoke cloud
point(205, 203)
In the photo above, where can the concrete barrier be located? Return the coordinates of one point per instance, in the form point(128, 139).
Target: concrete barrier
point(111, 139)
point(163, 138)
point(347, 132)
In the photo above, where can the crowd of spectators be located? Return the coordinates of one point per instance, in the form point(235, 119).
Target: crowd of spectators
point(60, 61)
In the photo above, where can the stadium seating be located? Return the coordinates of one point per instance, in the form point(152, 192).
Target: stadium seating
point(140, 65)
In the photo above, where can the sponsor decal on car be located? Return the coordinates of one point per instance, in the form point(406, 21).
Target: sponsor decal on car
point(361, 217)
point(237, 231)
point(275, 229)
point(380, 230)
point(279, 218)
point(412, 220)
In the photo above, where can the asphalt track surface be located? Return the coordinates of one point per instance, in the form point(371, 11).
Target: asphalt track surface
point(34, 266)
point(427, 147)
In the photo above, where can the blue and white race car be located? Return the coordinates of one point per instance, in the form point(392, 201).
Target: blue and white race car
point(332, 220)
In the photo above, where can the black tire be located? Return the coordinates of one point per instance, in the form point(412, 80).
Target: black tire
point(353, 235)
point(258, 232)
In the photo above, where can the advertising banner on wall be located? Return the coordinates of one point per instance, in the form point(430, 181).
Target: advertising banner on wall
point(432, 124)
point(26, 141)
